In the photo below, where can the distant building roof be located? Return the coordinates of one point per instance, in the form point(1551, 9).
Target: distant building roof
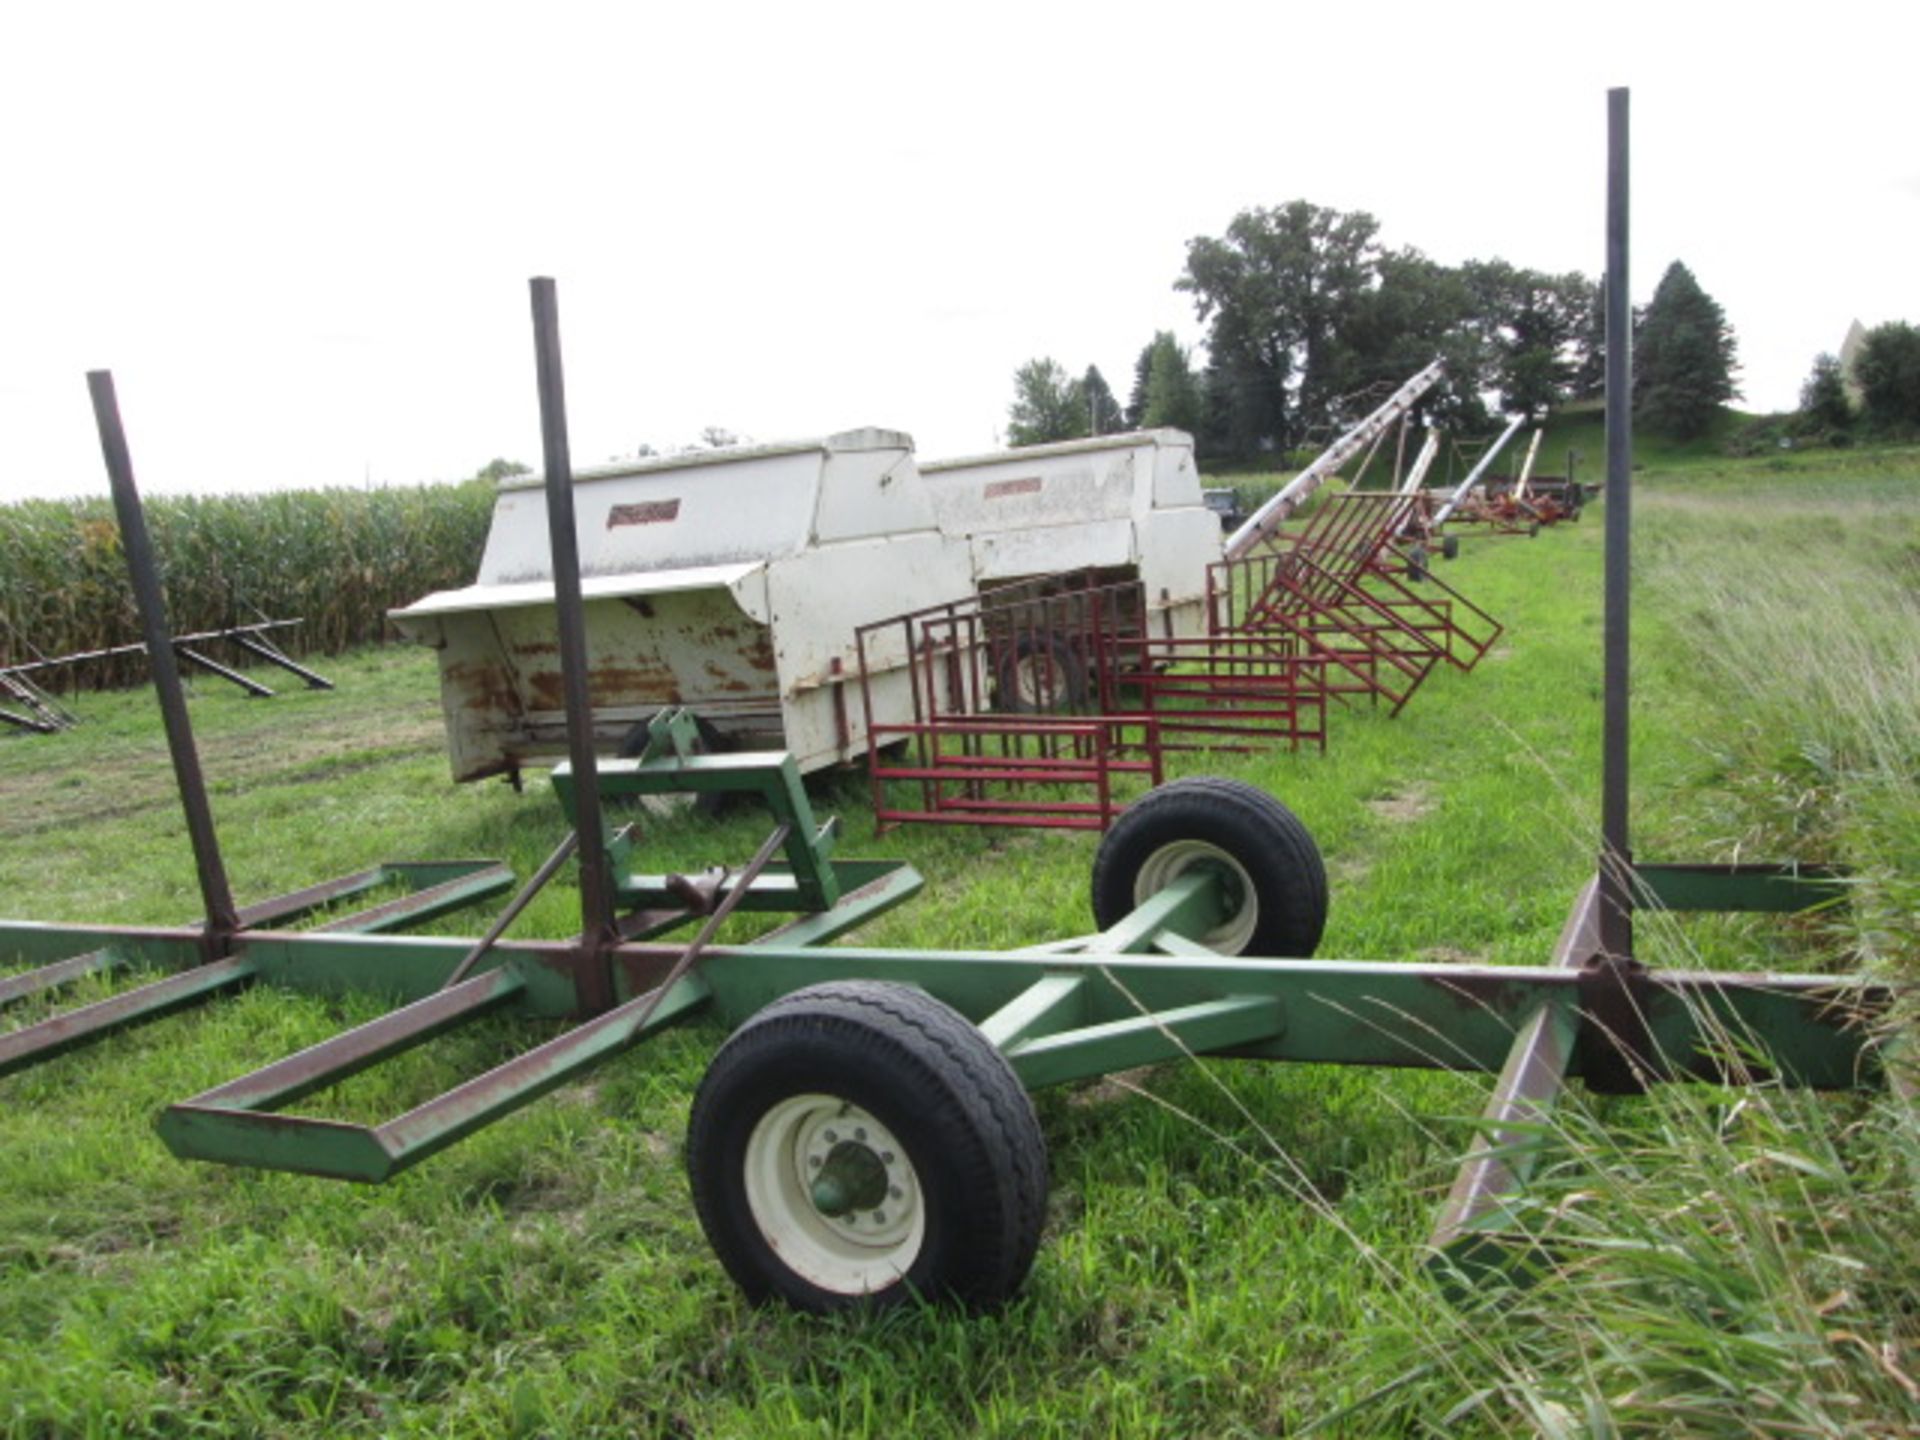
point(1849, 353)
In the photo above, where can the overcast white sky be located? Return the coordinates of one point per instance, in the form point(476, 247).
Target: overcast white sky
point(300, 236)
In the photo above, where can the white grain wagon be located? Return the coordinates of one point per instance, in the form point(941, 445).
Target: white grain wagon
point(1128, 507)
point(729, 582)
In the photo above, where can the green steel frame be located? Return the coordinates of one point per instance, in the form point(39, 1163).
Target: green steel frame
point(1142, 991)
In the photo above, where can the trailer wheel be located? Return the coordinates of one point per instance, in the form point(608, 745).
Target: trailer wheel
point(1275, 880)
point(857, 1144)
point(1038, 675)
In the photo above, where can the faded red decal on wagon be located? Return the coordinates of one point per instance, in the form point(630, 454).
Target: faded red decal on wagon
point(1000, 489)
point(647, 512)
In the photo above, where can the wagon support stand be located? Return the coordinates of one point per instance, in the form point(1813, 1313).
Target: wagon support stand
point(250, 638)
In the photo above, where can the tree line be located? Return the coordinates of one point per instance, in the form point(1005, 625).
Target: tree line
point(1310, 320)
point(1879, 391)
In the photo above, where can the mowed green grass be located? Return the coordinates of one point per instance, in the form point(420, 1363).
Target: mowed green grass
point(1230, 1249)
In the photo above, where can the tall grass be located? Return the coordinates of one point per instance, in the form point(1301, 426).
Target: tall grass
point(335, 559)
point(1748, 1263)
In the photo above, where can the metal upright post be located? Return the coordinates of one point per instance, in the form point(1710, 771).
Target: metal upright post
point(1616, 855)
point(223, 919)
point(597, 930)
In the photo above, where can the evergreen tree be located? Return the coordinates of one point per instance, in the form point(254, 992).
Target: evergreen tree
point(1683, 358)
point(1142, 368)
point(1173, 396)
point(1104, 416)
point(1888, 369)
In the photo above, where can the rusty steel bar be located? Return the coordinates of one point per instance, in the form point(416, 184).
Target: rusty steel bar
point(548, 869)
point(273, 655)
point(1616, 853)
point(597, 929)
point(222, 919)
point(1498, 1162)
point(253, 688)
point(138, 647)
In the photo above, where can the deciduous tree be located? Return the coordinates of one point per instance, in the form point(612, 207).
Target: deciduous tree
point(1888, 369)
point(1823, 398)
point(1048, 404)
point(1276, 292)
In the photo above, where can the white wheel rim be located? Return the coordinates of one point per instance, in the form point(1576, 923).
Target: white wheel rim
point(1232, 935)
point(1040, 680)
point(863, 1251)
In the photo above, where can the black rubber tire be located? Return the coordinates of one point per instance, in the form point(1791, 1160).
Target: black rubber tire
point(1266, 839)
point(1449, 547)
point(710, 803)
point(1011, 697)
point(931, 1078)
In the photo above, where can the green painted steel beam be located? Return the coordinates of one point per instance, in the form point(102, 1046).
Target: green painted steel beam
point(1475, 1236)
point(53, 976)
point(1757, 888)
point(1352, 1012)
point(1209, 1026)
point(36, 942)
point(321, 1066)
point(1187, 907)
point(774, 776)
point(435, 890)
point(230, 1125)
point(868, 888)
point(1052, 1003)
point(70, 1029)
point(1360, 1012)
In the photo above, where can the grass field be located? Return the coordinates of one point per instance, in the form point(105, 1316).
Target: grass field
point(1230, 1250)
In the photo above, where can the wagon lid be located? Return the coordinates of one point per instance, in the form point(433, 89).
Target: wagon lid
point(521, 593)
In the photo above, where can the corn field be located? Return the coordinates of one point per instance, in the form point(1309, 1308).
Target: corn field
point(337, 560)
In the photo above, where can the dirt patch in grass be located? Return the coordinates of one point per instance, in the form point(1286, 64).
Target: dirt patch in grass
point(1402, 808)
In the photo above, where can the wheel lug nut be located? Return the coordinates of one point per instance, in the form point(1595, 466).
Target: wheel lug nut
point(886, 1157)
point(879, 1217)
point(830, 1137)
point(860, 1134)
point(813, 1161)
point(893, 1192)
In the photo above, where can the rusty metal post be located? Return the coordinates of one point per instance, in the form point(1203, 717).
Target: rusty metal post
point(1616, 855)
point(597, 930)
point(216, 896)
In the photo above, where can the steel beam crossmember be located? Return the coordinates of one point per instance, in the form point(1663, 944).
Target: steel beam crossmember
point(445, 887)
